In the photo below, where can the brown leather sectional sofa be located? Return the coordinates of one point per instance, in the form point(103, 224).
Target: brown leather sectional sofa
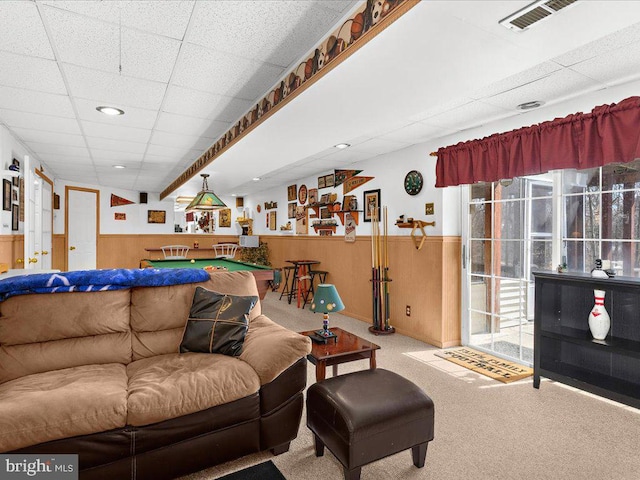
point(99, 374)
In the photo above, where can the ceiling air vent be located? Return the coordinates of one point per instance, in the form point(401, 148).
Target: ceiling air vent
point(533, 13)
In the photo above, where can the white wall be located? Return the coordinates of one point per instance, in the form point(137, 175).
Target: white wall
point(389, 171)
point(136, 213)
point(11, 148)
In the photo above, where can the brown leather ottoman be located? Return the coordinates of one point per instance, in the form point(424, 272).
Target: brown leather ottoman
point(367, 415)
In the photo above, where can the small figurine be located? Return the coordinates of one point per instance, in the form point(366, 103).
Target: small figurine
point(597, 270)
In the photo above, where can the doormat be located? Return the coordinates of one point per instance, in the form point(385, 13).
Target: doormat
point(262, 471)
point(494, 367)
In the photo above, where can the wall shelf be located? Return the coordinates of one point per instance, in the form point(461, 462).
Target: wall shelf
point(354, 213)
point(317, 228)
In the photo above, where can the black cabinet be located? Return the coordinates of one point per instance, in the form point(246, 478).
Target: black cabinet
point(564, 349)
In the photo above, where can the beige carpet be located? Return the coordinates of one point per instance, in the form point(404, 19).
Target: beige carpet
point(484, 429)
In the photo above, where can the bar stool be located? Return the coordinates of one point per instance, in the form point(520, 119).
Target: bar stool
point(322, 276)
point(287, 287)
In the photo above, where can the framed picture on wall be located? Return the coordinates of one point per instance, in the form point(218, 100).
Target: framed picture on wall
point(224, 217)
point(291, 210)
point(156, 216)
point(328, 180)
point(273, 220)
point(371, 203)
point(292, 192)
point(15, 224)
point(16, 180)
point(321, 182)
point(6, 195)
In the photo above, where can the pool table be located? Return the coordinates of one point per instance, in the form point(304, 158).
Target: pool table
point(263, 274)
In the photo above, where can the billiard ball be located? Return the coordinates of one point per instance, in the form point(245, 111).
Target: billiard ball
point(193, 261)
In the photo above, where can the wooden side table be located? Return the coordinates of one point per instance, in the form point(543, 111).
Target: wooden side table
point(347, 348)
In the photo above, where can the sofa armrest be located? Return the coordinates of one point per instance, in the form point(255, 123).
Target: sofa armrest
point(270, 348)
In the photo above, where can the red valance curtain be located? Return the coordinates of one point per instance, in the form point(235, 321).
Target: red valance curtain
point(608, 134)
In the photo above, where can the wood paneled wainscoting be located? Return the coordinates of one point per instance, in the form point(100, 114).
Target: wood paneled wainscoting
point(427, 280)
point(12, 249)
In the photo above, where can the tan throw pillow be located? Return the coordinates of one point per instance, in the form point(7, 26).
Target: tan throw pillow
point(217, 323)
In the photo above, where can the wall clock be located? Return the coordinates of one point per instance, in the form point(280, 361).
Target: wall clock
point(302, 194)
point(413, 182)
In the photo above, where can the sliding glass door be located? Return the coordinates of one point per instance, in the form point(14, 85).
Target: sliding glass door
point(517, 226)
point(509, 234)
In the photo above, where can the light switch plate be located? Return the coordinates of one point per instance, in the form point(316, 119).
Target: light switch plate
point(428, 209)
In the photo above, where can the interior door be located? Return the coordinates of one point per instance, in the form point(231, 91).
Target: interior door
point(44, 228)
point(82, 227)
point(31, 253)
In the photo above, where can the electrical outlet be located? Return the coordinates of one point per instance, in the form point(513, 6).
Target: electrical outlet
point(408, 311)
point(429, 209)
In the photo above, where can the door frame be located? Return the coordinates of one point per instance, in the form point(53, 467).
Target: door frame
point(42, 175)
point(67, 189)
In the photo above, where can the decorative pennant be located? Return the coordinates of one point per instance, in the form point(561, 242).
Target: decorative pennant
point(342, 175)
point(354, 182)
point(117, 201)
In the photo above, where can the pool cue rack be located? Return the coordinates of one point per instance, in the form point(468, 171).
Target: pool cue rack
point(380, 275)
point(417, 225)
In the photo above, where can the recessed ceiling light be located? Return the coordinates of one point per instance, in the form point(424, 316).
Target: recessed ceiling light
point(342, 145)
point(119, 166)
point(110, 110)
point(233, 195)
point(256, 179)
point(530, 105)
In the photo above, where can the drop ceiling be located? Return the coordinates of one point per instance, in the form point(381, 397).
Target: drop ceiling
point(185, 71)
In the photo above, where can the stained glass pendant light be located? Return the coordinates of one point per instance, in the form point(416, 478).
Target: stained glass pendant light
point(206, 200)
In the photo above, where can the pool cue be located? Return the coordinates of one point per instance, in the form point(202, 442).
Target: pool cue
point(373, 276)
point(386, 272)
point(379, 271)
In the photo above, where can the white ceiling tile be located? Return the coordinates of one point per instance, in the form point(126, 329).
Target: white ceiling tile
point(101, 162)
point(343, 156)
point(133, 117)
point(443, 105)
point(379, 146)
point(115, 157)
point(416, 133)
point(160, 159)
point(221, 73)
point(83, 41)
point(114, 89)
point(186, 141)
point(515, 81)
point(41, 122)
point(601, 46)
point(185, 101)
point(614, 67)
point(35, 102)
point(181, 124)
point(45, 148)
point(561, 84)
point(148, 56)
point(468, 115)
point(262, 29)
point(58, 160)
point(168, 17)
point(22, 30)
point(177, 153)
point(31, 73)
point(116, 145)
point(116, 132)
point(54, 138)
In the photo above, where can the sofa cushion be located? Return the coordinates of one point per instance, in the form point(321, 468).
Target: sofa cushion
point(271, 348)
point(52, 331)
point(217, 323)
point(158, 314)
point(63, 403)
point(168, 386)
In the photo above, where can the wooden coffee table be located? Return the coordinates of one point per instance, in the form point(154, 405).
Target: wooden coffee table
point(349, 347)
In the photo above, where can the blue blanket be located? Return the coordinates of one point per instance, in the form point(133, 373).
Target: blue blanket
point(98, 280)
